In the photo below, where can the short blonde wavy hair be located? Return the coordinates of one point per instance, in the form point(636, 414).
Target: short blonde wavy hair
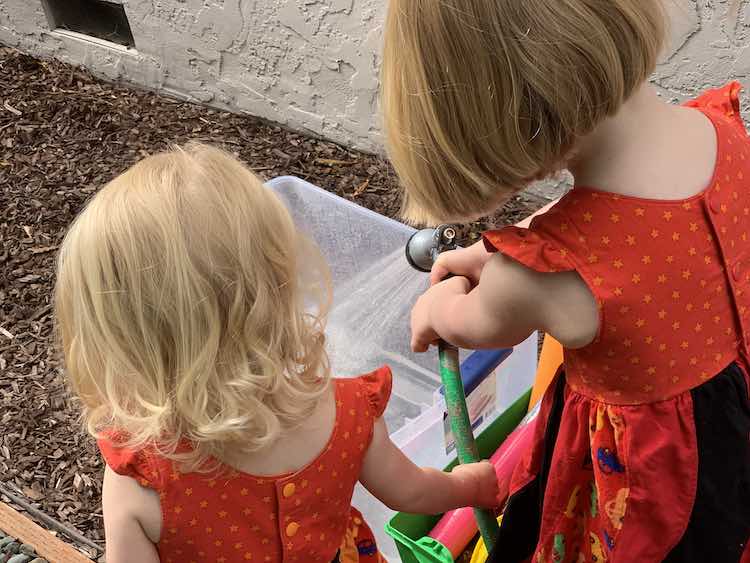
point(482, 96)
point(182, 313)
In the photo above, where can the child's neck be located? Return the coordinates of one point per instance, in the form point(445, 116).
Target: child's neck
point(650, 148)
point(292, 450)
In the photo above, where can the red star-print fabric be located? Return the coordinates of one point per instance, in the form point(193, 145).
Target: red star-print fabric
point(622, 469)
point(236, 517)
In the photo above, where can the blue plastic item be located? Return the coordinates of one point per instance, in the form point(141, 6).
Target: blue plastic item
point(478, 366)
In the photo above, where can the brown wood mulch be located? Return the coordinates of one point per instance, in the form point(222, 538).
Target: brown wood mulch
point(63, 134)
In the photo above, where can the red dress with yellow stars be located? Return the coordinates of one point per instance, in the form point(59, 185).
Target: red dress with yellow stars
point(232, 516)
point(642, 453)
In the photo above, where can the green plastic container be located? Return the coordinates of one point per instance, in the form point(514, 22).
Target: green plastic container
point(409, 531)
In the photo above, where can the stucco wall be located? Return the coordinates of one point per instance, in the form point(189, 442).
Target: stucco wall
point(309, 63)
point(709, 46)
point(313, 64)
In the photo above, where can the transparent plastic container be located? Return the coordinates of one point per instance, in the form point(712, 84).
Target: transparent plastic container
point(369, 321)
point(374, 290)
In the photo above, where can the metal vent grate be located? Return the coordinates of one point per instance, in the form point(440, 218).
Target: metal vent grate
point(103, 20)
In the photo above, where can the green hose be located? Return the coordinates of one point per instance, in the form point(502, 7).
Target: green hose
point(458, 416)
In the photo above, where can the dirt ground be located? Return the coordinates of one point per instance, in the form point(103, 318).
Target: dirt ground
point(63, 134)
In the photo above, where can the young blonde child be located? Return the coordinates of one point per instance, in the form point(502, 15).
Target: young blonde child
point(183, 299)
point(642, 271)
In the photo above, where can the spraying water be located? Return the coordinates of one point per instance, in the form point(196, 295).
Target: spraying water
point(373, 309)
point(369, 326)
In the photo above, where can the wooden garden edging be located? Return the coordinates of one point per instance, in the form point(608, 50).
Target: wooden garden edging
point(48, 546)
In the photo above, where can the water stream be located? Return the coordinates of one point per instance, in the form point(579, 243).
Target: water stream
point(369, 326)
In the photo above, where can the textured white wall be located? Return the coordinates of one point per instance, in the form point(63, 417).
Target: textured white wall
point(710, 40)
point(309, 63)
point(313, 64)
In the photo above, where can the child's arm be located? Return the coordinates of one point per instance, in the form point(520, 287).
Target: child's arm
point(128, 509)
point(402, 486)
point(508, 304)
point(468, 262)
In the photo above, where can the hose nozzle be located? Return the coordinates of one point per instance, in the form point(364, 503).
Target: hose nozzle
point(426, 245)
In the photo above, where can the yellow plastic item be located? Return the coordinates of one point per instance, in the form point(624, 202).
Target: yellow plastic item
point(550, 361)
point(480, 552)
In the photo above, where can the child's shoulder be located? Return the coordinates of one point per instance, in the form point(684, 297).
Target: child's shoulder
point(542, 246)
point(142, 464)
point(723, 102)
point(371, 390)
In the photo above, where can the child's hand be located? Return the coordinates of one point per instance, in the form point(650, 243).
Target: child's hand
point(465, 262)
point(469, 262)
point(481, 476)
point(402, 486)
point(423, 333)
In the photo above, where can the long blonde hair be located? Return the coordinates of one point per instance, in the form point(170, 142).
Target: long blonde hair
point(481, 96)
point(181, 310)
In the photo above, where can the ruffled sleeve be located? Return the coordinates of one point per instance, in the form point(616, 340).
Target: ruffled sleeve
point(123, 461)
point(724, 101)
point(377, 389)
point(529, 248)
